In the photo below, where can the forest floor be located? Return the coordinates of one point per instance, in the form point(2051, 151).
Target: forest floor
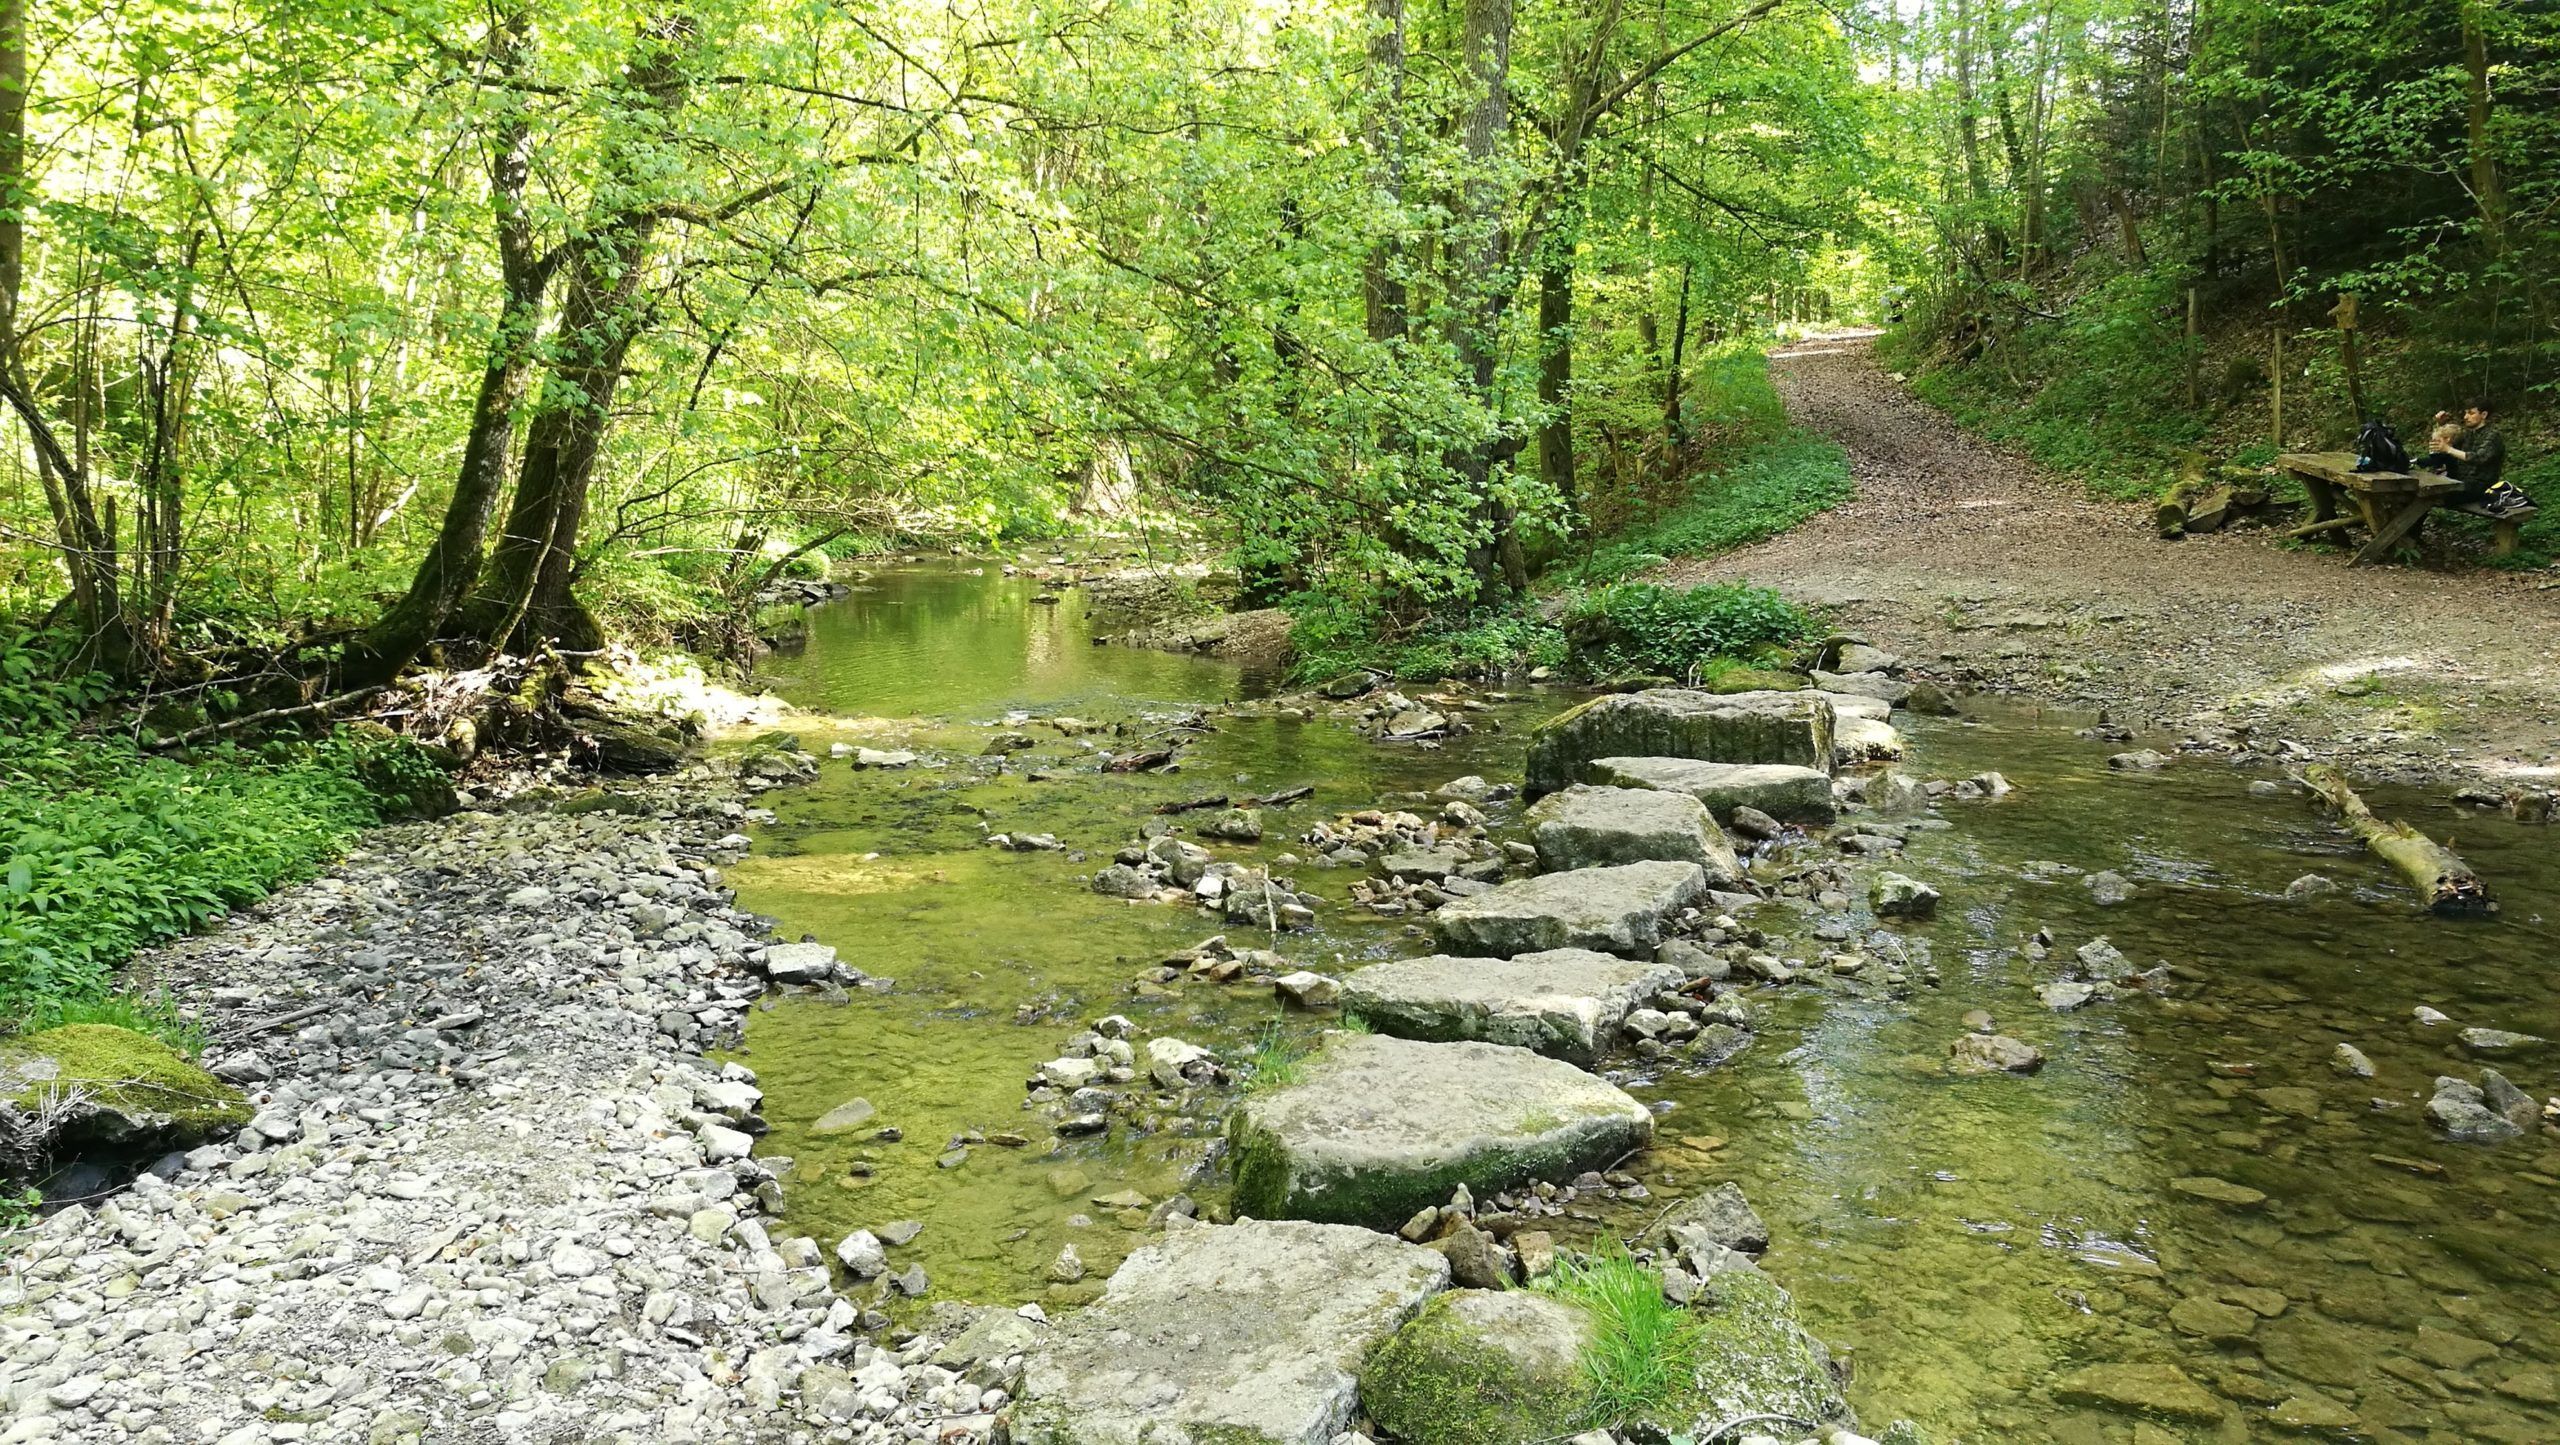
point(1992, 575)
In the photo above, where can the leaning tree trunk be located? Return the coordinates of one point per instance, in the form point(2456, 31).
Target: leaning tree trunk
point(452, 563)
point(2446, 882)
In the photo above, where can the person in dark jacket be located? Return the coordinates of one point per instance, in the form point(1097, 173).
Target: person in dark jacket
point(2476, 457)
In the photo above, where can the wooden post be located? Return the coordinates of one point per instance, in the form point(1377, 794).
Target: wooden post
point(2344, 313)
point(2275, 379)
point(2195, 356)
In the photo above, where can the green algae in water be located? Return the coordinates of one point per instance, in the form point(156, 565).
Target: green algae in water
point(1972, 1242)
point(998, 957)
point(1975, 1239)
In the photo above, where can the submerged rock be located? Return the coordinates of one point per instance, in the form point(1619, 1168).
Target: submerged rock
point(1616, 910)
point(1992, 1054)
point(2163, 1390)
point(1375, 1128)
point(1251, 1333)
point(2489, 1112)
point(1750, 727)
point(1585, 827)
point(1482, 1367)
point(1718, 1219)
point(1567, 1003)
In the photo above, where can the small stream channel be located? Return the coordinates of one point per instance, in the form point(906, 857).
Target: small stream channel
point(1970, 1243)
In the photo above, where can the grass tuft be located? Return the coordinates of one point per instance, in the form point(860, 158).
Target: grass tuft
point(1274, 1061)
point(1644, 1349)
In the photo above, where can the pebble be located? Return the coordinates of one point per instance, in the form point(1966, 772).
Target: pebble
point(493, 1191)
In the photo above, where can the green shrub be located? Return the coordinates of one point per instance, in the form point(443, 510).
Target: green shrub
point(1637, 627)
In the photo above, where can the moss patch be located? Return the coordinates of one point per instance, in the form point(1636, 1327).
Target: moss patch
point(137, 1087)
point(1480, 1369)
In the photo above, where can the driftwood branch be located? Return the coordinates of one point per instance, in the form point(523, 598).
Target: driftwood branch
point(2446, 882)
point(273, 714)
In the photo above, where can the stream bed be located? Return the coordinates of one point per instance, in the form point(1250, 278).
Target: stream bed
point(1971, 1244)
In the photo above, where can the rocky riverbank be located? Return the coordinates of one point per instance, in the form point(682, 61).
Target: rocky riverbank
point(493, 1189)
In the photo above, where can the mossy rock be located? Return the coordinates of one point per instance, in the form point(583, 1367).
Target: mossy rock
point(1730, 680)
point(1753, 1357)
point(134, 1090)
point(1482, 1367)
point(599, 800)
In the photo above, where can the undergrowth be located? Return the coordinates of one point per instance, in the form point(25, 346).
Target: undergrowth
point(1747, 476)
point(1273, 1062)
point(105, 847)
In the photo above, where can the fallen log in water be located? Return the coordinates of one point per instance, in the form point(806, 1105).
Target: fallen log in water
point(2446, 882)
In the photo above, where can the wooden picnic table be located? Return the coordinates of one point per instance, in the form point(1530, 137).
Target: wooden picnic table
point(2388, 505)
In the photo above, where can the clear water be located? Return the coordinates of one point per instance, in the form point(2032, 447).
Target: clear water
point(1972, 1242)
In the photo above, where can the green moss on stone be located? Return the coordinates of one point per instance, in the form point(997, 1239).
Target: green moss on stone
point(1267, 1186)
point(1751, 1349)
point(153, 1086)
point(1442, 1381)
point(1753, 679)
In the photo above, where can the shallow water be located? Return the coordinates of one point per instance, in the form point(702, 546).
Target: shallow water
point(1970, 1241)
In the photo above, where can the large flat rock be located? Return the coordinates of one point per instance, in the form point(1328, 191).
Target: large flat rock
point(1595, 827)
point(1375, 1127)
point(1253, 1333)
point(1742, 727)
point(1613, 910)
point(1784, 791)
point(1566, 1003)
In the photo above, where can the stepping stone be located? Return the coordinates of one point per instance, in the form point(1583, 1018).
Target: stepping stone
point(1614, 910)
point(1588, 827)
point(1377, 1127)
point(1566, 1003)
point(1251, 1333)
point(1669, 722)
point(1787, 793)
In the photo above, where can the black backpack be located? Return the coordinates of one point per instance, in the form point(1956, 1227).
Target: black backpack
point(2378, 448)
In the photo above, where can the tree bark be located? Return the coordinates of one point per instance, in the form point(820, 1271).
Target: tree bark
point(452, 563)
point(526, 598)
point(2444, 882)
point(1382, 287)
point(1482, 277)
point(88, 551)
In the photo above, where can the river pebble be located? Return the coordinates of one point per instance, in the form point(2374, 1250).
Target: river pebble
point(493, 1190)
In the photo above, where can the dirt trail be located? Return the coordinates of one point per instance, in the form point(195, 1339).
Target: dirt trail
point(1991, 575)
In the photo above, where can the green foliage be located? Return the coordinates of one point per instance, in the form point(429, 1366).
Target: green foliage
point(18, 1208)
point(1637, 627)
point(1765, 491)
point(154, 1014)
point(104, 847)
point(1644, 1352)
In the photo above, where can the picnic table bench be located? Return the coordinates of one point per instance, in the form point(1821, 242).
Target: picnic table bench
point(2388, 505)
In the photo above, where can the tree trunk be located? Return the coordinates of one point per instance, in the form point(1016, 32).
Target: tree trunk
point(1555, 377)
point(88, 552)
point(526, 598)
point(1381, 281)
point(1481, 277)
point(452, 563)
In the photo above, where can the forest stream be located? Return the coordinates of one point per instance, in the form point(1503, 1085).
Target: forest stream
point(2193, 1179)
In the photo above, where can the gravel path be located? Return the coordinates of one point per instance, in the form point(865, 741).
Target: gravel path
point(492, 1193)
point(2019, 582)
